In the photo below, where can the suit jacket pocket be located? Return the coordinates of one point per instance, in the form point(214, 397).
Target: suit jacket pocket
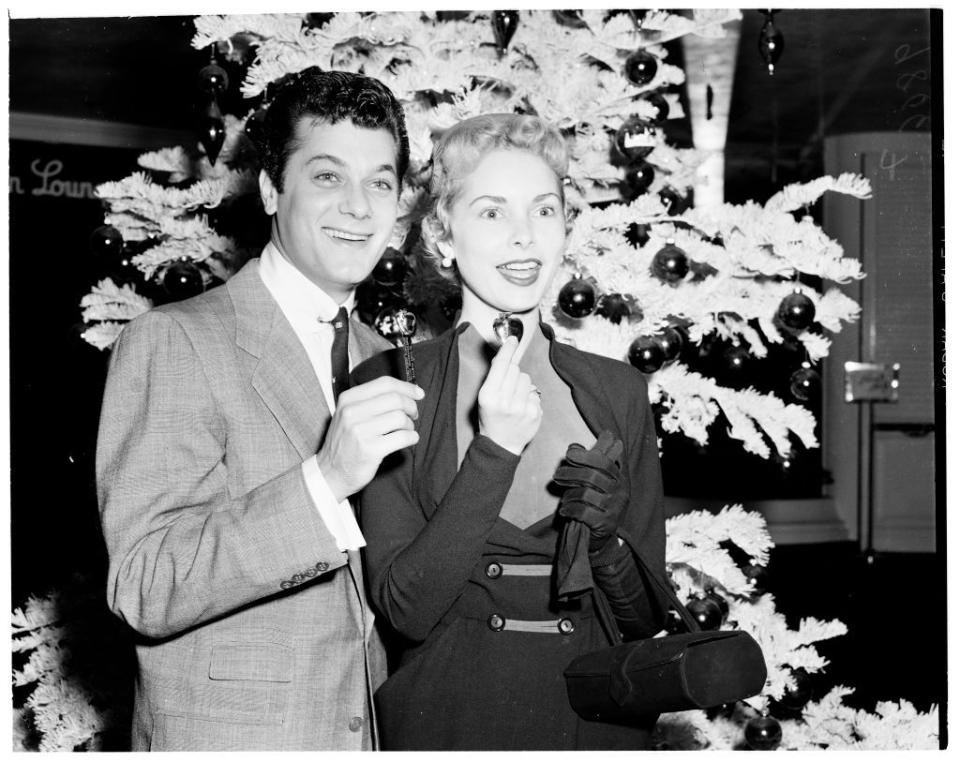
point(176, 733)
point(264, 662)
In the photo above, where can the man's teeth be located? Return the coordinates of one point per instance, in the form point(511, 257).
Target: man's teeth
point(345, 235)
point(520, 266)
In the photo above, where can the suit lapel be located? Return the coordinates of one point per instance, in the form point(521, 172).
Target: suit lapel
point(283, 375)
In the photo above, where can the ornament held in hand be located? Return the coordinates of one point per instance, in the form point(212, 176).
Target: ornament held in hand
point(506, 325)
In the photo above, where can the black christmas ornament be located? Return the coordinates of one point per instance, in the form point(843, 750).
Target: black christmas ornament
point(212, 130)
point(671, 342)
point(638, 177)
point(577, 298)
point(253, 127)
point(763, 733)
point(452, 15)
point(670, 263)
point(796, 311)
point(805, 384)
point(714, 596)
point(638, 234)
point(372, 299)
point(646, 354)
point(771, 42)
point(614, 307)
point(675, 201)
point(106, 242)
point(707, 612)
point(641, 67)
point(760, 577)
point(213, 80)
point(396, 322)
point(661, 105)
point(183, 280)
point(571, 18)
point(506, 325)
point(736, 359)
point(391, 268)
point(798, 696)
point(504, 24)
point(636, 138)
point(673, 623)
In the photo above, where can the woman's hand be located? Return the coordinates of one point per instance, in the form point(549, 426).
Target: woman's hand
point(509, 403)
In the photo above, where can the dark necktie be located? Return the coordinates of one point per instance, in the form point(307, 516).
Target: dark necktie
point(339, 362)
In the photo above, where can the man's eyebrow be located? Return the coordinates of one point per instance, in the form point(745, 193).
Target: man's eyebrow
point(341, 163)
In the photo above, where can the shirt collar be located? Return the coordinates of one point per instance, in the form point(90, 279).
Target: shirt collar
point(302, 302)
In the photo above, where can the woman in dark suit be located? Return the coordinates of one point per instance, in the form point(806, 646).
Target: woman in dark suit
point(501, 545)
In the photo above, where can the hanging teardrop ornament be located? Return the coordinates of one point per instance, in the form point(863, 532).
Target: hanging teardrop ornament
point(504, 24)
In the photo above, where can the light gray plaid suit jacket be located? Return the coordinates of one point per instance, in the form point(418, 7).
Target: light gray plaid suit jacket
point(253, 630)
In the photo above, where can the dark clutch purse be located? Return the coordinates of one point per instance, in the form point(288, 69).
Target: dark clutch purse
point(629, 683)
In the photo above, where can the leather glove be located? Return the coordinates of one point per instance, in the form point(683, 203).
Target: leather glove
point(593, 494)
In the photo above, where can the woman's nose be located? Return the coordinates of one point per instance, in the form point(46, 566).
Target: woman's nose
point(522, 233)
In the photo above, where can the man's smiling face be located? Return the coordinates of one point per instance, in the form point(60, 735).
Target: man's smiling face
point(339, 202)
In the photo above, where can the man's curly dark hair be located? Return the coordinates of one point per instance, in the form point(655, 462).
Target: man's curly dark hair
point(328, 96)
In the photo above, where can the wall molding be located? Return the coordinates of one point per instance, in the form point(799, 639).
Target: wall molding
point(46, 128)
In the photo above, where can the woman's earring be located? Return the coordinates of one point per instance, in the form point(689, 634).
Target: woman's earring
point(446, 263)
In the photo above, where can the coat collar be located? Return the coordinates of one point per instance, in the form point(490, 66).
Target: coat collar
point(283, 375)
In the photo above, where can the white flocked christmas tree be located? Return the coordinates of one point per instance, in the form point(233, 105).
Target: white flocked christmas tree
point(642, 276)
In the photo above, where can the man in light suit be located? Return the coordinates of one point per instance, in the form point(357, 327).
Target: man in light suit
point(223, 475)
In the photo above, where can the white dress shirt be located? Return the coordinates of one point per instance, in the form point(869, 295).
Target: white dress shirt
point(309, 310)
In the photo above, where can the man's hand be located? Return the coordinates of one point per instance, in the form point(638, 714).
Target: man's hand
point(509, 404)
point(372, 420)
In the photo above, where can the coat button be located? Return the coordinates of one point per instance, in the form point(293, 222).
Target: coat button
point(565, 626)
point(286, 584)
point(355, 724)
point(494, 570)
point(496, 622)
point(322, 566)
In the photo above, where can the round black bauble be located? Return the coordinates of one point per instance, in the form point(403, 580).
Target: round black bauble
point(661, 105)
point(638, 177)
point(614, 307)
point(736, 359)
point(106, 242)
point(578, 298)
point(646, 354)
point(675, 201)
point(714, 596)
point(670, 264)
point(183, 280)
point(504, 25)
point(671, 342)
point(707, 612)
point(760, 577)
point(396, 322)
point(390, 269)
point(641, 67)
point(506, 325)
point(212, 130)
point(770, 44)
point(805, 384)
point(638, 234)
point(213, 80)
point(798, 696)
point(763, 733)
point(796, 311)
point(253, 127)
point(636, 138)
point(372, 299)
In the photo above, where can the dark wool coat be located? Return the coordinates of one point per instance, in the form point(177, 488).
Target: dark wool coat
point(437, 548)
